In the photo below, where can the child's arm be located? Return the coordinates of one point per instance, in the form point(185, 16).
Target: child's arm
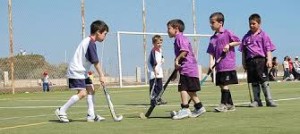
point(100, 73)
point(269, 59)
point(211, 61)
point(179, 58)
point(232, 44)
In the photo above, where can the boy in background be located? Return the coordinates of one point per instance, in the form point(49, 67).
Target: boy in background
point(155, 70)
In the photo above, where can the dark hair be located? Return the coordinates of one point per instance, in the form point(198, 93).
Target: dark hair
point(100, 26)
point(220, 17)
point(255, 17)
point(176, 23)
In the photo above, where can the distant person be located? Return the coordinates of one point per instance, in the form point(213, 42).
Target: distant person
point(257, 49)
point(274, 69)
point(286, 72)
point(296, 68)
point(46, 82)
point(155, 70)
point(221, 41)
point(186, 64)
point(85, 56)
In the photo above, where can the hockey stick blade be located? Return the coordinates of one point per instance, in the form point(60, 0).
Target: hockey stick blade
point(111, 106)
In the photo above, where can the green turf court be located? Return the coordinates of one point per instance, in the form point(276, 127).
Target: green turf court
point(33, 113)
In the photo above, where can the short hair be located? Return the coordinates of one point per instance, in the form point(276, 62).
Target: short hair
point(219, 17)
point(255, 17)
point(156, 38)
point(100, 26)
point(176, 23)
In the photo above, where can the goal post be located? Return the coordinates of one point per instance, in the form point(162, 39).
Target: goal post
point(169, 48)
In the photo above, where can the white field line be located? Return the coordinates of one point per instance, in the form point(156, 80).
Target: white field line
point(25, 125)
point(41, 123)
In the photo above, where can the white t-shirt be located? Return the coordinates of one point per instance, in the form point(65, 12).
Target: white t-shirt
point(85, 56)
point(285, 64)
point(155, 57)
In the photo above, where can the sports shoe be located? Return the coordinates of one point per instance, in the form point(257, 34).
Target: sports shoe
point(221, 108)
point(271, 103)
point(61, 117)
point(182, 113)
point(230, 107)
point(195, 113)
point(95, 118)
point(256, 104)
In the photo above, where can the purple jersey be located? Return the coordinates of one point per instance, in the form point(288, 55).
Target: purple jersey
point(189, 66)
point(256, 45)
point(217, 43)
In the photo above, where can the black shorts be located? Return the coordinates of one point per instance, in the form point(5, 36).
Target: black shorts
point(189, 84)
point(226, 78)
point(257, 71)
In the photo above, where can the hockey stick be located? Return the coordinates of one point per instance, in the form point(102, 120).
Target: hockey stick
point(210, 70)
point(111, 106)
point(250, 95)
point(152, 88)
point(153, 105)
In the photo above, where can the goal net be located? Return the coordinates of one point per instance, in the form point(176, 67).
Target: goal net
point(126, 62)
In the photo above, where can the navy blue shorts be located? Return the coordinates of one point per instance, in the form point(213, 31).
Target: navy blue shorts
point(79, 84)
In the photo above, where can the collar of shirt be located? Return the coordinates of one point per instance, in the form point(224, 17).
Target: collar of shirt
point(220, 32)
point(156, 49)
point(179, 34)
point(92, 39)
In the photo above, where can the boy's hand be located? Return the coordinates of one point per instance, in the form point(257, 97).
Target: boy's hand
point(226, 48)
point(177, 65)
point(102, 80)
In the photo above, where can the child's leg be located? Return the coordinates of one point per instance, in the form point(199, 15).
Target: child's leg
point(75, 98)
point(256, 94)
point(90, 99)
point(266, 90)
point(184, 99)
point(184, 111)
point(199, 109)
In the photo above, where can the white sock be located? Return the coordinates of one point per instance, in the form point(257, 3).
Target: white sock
point(68, 104)
point(90, 103)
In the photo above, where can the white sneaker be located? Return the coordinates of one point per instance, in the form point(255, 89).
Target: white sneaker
point(196, 113)
point(61, 117)
point(95, 118)
point(221, 108)
point(183, 113)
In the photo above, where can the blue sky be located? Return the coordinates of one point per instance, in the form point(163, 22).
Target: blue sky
point(53, 27)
